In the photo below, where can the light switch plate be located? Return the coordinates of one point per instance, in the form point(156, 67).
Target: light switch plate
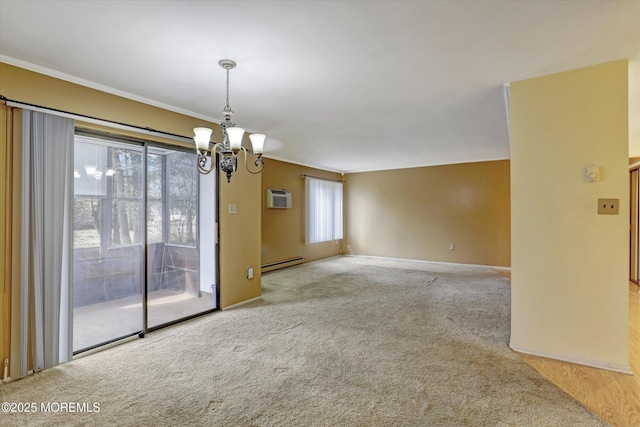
point(608, 206)
point(233, 208)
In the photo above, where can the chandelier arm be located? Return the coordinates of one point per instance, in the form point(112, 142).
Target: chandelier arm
point(202, 159)
point(257, 161)
point(218, 147)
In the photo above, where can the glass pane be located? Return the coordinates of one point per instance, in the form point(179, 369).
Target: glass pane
point(126, 222)
point(183, 222)
point(183, 176)
point(155, 164)
point(86, 222)
point(183, 202)
point(90, 166)
point(155, 221)
point(176, 283)
point(127, 173)
point(108, 254)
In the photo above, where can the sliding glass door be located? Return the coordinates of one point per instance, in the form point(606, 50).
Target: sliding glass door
point(139, 205)
point(178, 284)
point(107, 241)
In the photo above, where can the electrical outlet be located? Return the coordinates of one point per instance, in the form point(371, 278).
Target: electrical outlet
point(451, 246)
point(233, 208)
point(608, 206)
point(250, 273)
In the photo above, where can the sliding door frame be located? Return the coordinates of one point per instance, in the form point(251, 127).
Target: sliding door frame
point(145, 144)
point(634, 223)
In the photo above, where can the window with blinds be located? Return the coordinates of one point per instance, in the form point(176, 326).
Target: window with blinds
point(323, 210)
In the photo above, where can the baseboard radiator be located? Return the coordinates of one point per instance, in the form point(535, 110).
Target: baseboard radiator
point(282, 264)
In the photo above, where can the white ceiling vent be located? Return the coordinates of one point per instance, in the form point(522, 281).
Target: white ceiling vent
point(278, 199)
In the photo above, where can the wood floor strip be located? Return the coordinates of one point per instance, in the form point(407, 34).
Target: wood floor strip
point(613, 396)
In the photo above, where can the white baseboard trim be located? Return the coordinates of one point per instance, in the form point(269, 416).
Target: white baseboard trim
point(238, 304)
point(428, 262)
point(576, 360)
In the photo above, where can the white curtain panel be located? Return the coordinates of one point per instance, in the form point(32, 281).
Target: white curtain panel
point(47, 214)
point(323, 219)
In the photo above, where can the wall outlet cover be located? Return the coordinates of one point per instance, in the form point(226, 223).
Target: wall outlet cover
point(608, 206)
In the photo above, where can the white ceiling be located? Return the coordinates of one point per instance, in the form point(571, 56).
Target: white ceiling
point(340, 85)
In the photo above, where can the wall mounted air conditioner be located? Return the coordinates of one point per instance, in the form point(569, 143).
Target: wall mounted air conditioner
point(278, 199)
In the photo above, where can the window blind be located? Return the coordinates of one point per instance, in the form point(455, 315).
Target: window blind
point(323, 210)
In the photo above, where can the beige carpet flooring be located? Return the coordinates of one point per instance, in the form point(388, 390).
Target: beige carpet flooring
point(350, 341)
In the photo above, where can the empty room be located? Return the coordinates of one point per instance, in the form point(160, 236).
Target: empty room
point(314, 213)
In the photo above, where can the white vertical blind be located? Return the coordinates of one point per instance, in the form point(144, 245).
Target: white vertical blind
point(323, 210)
point(46, 270)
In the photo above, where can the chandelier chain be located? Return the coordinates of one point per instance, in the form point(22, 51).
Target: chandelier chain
point(228, 107)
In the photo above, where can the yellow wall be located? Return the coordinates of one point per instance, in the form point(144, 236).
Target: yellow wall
point(569, 264)
point(283, 229)
point(239, 234)
point(416, 213)
point(634, 107)
point(239, 237)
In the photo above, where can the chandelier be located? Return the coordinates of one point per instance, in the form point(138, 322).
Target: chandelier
point(232, 143)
